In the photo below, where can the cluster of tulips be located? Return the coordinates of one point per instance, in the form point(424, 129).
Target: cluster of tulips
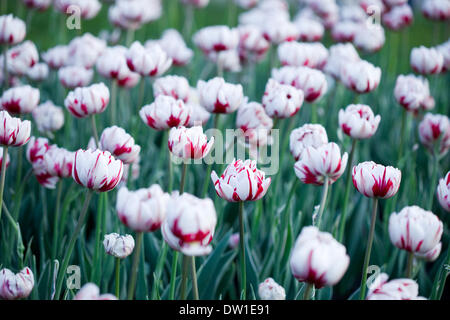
point(302, 72)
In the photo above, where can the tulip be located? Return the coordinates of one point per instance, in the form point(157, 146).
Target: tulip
point(358, 121)
point(120, 144)
point(360, 76)
point(313, 55)
point(434, 133)
point(173, 44)
point(318, 259)
point(233, 242)
point(48, 117)
point(199, 115)
point(308, 135)
point(164, 113)
point(112, 63)
point(85, 50)
point(174, 86)
point(345, 31)
point(59, 162)
point(72, 77)
point(227, 60)
point(369, 38)
point(280, 31)
point(189, 143)
point(252, 44)
point(38, 73)
point(436, 9)
point(216, 38)
point(150, 61)
point(398, 17)
point(12, 30)
point(309, 29)
point(56, 57)
point(270, 290)
point(255, 124)
point(339, 55)
point(88, 8)
point(8, 159)
point(90, 291)
point(218, 96)
point(40, 5)
point(132, 14)
point(426, 60)
point(118, 246)
point(366, 4)
point(281, 100)
point(398, 289)
point(16, 286)
point(444, 49)
point(374, 181)
point(22, 57)
point(20, 100)
point(443, 192)
point(412, 92)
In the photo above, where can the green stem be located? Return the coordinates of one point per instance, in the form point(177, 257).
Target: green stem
point(101, 209)
point(56, 219)
point(307, 292)
point(184, 277)
point(433, 182)
point(409, 266)
point(183, 178)
point(402, 135)
point(72, 242)
point(94, 131)
point(194, 278)
point(2, 181)
point(141, 93)
point(20, 247)
point(323, 202)
point(439, 283)
point(117, 278)
point(170, 182)
point(313, 113)
point(113, 101)
point(348, 183)
point(173, 276)
point(134, 269)
point(5, 68)
point(242, 251)
point(368, 249)
point(158, 270)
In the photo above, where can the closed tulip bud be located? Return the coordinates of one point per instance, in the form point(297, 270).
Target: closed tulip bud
point(317, 258)
point(90, 291)
point(72, 77)
point(173, 44)
point(358, 121)
point(174, 86)
point(22, 57)
point(309, 29)
point(96, 170)
point(241, 181)
point(216, 38)
point(369, 38)
point(375, 180)
point(38, 72)
point(16, 286)
point(112, 63)
point(313, 55)
point(339, 55)
point(345, 31)
point(417, 231)
point(270, 290)
point(36, 149)
point(280, 31)
point(218, 96)
point(48, 117)
point(412, 92)
point(120, 144)
point(59, 162)
point(12, 30)
point(316, 164)
point(434, 133)
point(436, 9)
point(40, 5)
point(8, 159)
point(86, 101)
point(118, 246)
point(308, 135)
point(150, 61)
point(398, 289)
point(164, 113)
point(142, 210)
point(426, 60)
point(253, 120)
point(56, 57)
point(398, 17)
point(252, 44)
point(312, 82)
point(281, 100)
point(190, 224)
point(443, 192)
point(20, 100)
point(360, 76)
point(189, 143)
point(14, 132)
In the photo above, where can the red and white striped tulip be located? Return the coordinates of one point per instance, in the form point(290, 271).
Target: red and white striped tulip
point(281, 100)
point(72, 77)
point(398, 289)
point(358, 121)
point(369, 38)
point(280, 31)
point(48, 117)
point(112, 63)
point(412, 93)
point(56, 57)
point(40, 5)
point(148, 61)
point(434, 133)
point(189, 143)
point(216, 38)
point(20, 100)
point(87, 8)
point(426, 60)
point(308, 135)
point(443, 192)
point(36, 149)
point(16, 286)
point(86, 101)
point(253, 120)
point(13, 131)
point(436, 9)
point(174, 86)
point(398, 17)
point(90, 291)
point(118, 246)
point(360, 76)
point(339, 55)
point(270, 290)
point(22, 57)
point(375, 180)
point(313, 55)
point(38, 72)
point(345, 31)
point(252, 44)
point(12, 30)
point(120, 144)
point(218, 96)
point(309, 29)
point(59, 162)
point(85, 50)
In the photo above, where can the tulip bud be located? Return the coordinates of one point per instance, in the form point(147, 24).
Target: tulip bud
point(56, 57)
point(164, 113)
point(253, 120)
point(12, 30)
point(443, 192)
point(14, 132)
point(241, 181)
point(436, 9)
point(120, 144)
point(426, 60)
point(96, 170)
point(434, 133)
point(218, 96)
point(22, 57)
point(216, 38)
point(358, 121)
point(317, 258)
point(20, 100)
point(16, 286)
point(72, 77)
point(316, 164)
point(360, 76)
point(398, 289)
point(83, 102)
point(174, 86)
point(150, 61)
point(38, 72)
point(308, 135)
point(142, 210)
point(375, 180)
point(189, 143)
point(189, 225)
point(48, 117)
point(281, 100)
point(417, 231)
point(90, 291)
point(118, 246)
point(270, 290)
point(412, 92)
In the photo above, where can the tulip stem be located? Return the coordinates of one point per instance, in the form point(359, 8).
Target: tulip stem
point(158, 270)
point(113, 101)
point(170, 182)
point(433, 182)
point(307, 292)
point(242, 251)
point(56, 219)
point(183, 177)
point(5, 68)
point(347, 192)
point(323, 201)
point(134, 268)
point(173, 276)
point(402, 135)
point(313, 113)
point(118, 278)
point(194, 278)
point(94, 131)
point(72, 242)
point(410, 264)
point(184, 277)
point(2, 181)
point(368, 249)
